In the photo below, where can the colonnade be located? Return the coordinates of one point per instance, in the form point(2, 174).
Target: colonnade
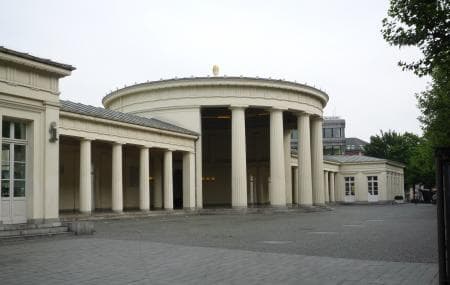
point(329, 179)
point(144, 177)
point(309, 188)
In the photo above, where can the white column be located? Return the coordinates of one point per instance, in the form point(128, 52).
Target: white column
point(117, 187)
point(287, 166)
point(277, 185)
point(188, 180)
point(85, 176)
point(325, 186)
point(304, 160)
point(168, 180)
point(144, 183)
point(317, 161)
point(238, 158)
point(295, 182)
point(332, 190)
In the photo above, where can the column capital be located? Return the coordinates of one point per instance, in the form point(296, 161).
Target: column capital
point(276, 109)
point(231, 107)
point(144, 146)
point(87, 139)
point(316, 118)
point(119, 142)
point(302, 114)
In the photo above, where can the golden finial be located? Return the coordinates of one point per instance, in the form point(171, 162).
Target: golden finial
point(215, 70)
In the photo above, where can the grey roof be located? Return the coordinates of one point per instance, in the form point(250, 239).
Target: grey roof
point(352, 158)
point(103, 113)
point(355, 141)
point(35, 58)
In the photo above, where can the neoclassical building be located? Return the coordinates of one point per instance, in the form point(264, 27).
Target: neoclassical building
point(183, 143)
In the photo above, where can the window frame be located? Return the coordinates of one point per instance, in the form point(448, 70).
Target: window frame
point(349, 189)
point(372, 185)
point(12, 143)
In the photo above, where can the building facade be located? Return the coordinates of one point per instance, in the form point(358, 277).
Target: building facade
point(171, 144)
point(333, 136)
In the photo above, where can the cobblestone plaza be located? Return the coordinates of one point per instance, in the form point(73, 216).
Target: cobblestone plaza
point(391, 244)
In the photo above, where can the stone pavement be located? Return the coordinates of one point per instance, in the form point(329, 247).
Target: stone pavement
point(194, 251)
point(100, 261)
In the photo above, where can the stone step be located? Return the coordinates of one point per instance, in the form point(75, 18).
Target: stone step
point(9, 227)
point(33, 231)
point(12, 238)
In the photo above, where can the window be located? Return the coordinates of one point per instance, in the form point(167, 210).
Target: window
point(372, 184)
point(336, 132)
point(13, 159)
point(327, 132)
point(349, 186)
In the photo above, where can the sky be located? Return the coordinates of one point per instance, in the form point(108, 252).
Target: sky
point(334, 45)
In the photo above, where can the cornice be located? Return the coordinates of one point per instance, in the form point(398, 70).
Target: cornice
point(218, 82)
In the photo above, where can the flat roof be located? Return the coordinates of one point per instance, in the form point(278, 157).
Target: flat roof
point(37, 59)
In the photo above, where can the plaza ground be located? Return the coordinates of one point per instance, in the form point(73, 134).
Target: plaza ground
point(356, 244)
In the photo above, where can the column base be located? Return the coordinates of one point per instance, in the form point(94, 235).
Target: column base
point(277, 206)
point(239, 207)
point(190, 209)
point(118, 211)
point(87, 213)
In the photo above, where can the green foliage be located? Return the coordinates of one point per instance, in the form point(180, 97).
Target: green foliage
point(424, 24)
point(421, 165)
point(394, 146)
point(435, 107)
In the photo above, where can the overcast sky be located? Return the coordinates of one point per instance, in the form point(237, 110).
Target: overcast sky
point(334, 45)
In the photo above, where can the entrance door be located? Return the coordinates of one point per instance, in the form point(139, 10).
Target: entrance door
point(349, 189)
point(372, 184)
point(13, 179)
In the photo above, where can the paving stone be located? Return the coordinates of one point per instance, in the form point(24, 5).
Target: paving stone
point(198, 250)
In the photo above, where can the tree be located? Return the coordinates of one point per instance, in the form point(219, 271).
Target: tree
point(421, 164)
point(392, 145)
point(424, 24)
point(397, 147)
point(434, 104)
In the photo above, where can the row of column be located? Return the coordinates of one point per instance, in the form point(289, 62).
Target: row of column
point(310, 160)
point(329, 186)
point(144, 177)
